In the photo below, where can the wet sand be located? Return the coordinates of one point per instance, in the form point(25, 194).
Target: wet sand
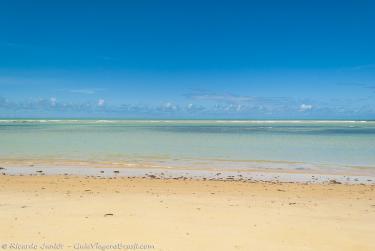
point(189, 215)
point(299, 176)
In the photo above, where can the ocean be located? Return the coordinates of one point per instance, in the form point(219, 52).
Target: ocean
point(325, 146)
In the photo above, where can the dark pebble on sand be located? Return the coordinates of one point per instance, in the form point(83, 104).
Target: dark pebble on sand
point(334, 182)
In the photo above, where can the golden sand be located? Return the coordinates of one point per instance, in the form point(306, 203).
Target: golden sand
point(187, 215)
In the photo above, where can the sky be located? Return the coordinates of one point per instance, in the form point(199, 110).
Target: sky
point(187, 59)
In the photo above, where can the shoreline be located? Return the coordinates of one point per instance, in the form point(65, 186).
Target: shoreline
point(191, 174)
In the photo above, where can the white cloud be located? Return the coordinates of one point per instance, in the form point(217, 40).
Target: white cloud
point(101, 102)
point(305, 107)
point(170, 106)
point(243, 102)
point(53, 101)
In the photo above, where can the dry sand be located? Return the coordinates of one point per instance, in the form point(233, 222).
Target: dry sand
point(186, 214)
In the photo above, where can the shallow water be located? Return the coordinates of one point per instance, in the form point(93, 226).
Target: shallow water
point(324, 145)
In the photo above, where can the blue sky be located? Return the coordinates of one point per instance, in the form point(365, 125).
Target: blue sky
point(187, 59)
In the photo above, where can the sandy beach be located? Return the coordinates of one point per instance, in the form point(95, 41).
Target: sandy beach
point(72, 213)
point(187, 125)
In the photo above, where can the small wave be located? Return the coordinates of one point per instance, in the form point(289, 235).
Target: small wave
point(104, 121)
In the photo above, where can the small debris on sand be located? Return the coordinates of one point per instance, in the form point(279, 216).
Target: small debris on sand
point(334, 182)
point(108, 215)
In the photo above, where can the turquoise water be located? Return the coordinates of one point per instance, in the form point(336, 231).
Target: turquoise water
point(231, 144)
